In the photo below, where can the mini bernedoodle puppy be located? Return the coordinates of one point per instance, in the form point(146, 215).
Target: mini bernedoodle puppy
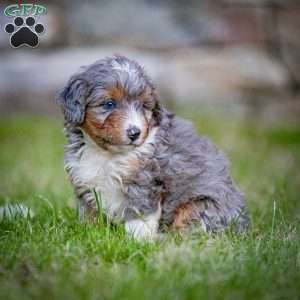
point(150, 169)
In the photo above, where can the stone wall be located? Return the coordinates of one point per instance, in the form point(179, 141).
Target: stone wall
point(240, 55)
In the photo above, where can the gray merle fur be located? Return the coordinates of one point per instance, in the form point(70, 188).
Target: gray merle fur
point(181, 168)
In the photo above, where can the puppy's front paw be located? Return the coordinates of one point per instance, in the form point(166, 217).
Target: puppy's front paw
point(141, 230)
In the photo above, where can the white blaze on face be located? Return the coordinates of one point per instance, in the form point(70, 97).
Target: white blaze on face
point(135, 118)
point(148, 115)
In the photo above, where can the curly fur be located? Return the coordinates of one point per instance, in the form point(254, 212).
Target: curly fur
point(174, 179)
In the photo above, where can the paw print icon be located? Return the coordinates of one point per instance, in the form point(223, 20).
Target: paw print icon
point(24, 33)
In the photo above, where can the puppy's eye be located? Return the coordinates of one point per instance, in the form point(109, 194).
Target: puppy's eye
point(109, 105)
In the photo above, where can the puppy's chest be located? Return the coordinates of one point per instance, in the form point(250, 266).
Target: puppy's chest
point(104, 174)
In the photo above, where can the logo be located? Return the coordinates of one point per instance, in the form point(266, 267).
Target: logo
point(24, 30)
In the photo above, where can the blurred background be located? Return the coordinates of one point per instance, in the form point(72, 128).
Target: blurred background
point(232, 67)
point(236, 57)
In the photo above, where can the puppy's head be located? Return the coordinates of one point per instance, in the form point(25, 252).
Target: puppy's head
point(113, 102)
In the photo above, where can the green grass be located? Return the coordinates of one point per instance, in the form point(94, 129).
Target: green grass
point(54, 256)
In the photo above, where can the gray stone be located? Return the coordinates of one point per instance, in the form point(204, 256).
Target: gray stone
point(232, 78)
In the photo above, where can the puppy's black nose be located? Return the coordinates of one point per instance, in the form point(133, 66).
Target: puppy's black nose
point(133, 133)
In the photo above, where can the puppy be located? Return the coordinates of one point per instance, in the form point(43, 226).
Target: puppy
point(150, 169)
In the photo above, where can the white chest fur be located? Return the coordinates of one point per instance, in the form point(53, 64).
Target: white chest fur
point(100, 170)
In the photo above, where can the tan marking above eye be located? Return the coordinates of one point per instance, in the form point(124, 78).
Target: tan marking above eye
point(109, 130)
point(116, 93)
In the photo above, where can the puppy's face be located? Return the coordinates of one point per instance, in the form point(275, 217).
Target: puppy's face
point(113, 102)
point(116, 120)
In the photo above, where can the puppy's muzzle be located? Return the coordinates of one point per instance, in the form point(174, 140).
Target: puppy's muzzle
point(133, 133)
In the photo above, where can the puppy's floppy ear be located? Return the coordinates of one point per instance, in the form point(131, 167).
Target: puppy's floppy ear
point(72, 100)
point(157, 110)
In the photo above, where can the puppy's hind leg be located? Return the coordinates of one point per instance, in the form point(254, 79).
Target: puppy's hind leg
point(187, 216)
point(205, 213)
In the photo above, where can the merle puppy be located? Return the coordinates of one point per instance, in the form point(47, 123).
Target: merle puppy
point(149, 168)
